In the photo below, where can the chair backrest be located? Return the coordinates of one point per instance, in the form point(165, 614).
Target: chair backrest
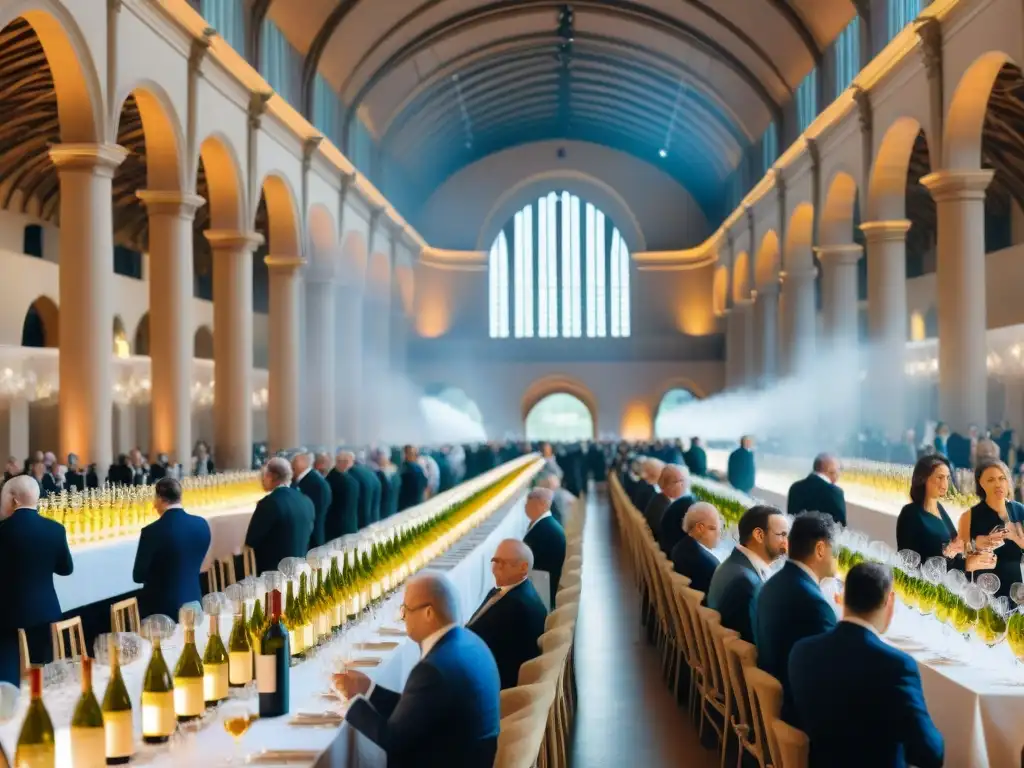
point(546, 667)
point(124, 616)
point(555, 638)
point(720, 636)
point(75, 649)
point(794, 746)
point(23, 657)
point(520, 699)
point(221, 574)
point(249, 562)
point(739, 654)
point(563, 616)
point(768, 699)
point(520, 739)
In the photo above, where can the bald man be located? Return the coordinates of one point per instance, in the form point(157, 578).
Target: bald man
point(314, 487)
point(32, 550)
point(819, 492)
point(650, 471)
point(692, 556)
point(511, 617)
point(282, 522)
point(343, 513)
point(671, 485)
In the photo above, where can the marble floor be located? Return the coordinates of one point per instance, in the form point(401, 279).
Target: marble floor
point(626, 714)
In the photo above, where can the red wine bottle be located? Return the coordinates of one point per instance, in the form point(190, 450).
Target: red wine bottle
point(273, 663)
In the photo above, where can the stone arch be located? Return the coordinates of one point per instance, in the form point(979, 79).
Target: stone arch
point(672, 400)
point(323, 236)
point(768, 260)
point(163, 135)
point(720, 290)
point(837, 216)
point(140, 341)
point(800, 239)
point(559, 384)
point(577, 420)
point(283, 238)
point(887, 188)
point(223, 177)
point(41, 326)
point(354, 258)
point(202, 343)
point(965, 119)
point(121, 346)
point(741, 278)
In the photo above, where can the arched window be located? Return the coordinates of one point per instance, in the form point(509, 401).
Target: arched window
point(559, 269)
point(666, 422)
point(560, 416)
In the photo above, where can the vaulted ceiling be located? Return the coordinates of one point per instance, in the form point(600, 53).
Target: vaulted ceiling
point(442, 83)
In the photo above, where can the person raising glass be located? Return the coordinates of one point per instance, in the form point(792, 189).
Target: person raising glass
point(994, 524)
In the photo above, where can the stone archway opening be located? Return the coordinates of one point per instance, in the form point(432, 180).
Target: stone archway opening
point(667, 419)
point(41, 326)
point(560, 417)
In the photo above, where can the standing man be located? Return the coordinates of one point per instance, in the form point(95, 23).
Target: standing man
point(545, 537)
point(282, 523)
point(369, 493)
point(315, 488)
point(819, 492)
point(696, 459)
point(414, 480)
point(343, 513)
point(741, 465)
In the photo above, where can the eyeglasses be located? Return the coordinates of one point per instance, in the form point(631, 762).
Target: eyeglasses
point(405, 610)
point(503, 561)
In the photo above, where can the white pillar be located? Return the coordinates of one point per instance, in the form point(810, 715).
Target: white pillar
point(321, 322)
point(283, 352)
point(377, 384)
point(839, 292)
point(350, 364)
point(887, 324)
point(796, 307)
point(86, 286)
point(960, 279)
point(399, 341)
point(731, 349)
point(766, 325)
point(170, 320)
point(743, 312)
point(232, 346)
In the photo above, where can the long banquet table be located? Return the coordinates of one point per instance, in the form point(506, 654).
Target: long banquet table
point(467, 563)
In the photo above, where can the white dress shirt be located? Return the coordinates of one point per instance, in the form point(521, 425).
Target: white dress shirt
point(759, 565)
point(546, 514)
point(826, 478)
point(861, 623)
point(806, 569)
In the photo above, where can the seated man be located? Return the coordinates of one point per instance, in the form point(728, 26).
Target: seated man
point(282, 522)
point(737, 581)
point(818, 491)
point(511, 618)
point(692, 556)
point(545, 537)
point(859, 699)
point(449, 711)
point(670, 529)
point(671, 485)
point(170, 554)
point(791, 605)
point(644, 490)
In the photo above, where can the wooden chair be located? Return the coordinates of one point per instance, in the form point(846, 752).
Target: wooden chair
point(124, 616)
point(23, 657)
point(794, 746)
point(76, 639)
point(222, 573)
point(740, 654)
point(249, 562)
point(768, 699)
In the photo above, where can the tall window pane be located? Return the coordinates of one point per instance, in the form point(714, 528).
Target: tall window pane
point(565, 256)
point(901, 13)
point(326, 109)
point(228, 18)
point(847, 50)
point(280, 63)
point(769, 147)
point(600, 266)
point(577, 285)
point(552, 240)
point(519, 289)
point(615, 286)
point(527, 247)
point(807, 100)
point(591, 245)
point(542, 267)
point(624, 309)
point(498, 288)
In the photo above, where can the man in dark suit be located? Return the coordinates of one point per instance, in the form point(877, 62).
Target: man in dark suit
point(670, 529)
point(818, 491)
point(170, 554)
point(696, 459)
point(369, 494)
point(737, 581)
point(32, 550)
point(414, 480)
point(315, 488)
point(74, 475)
point(511, 618)
point(282, 523)
point(545, 537)
point(859, 699)
point(449, 711)
point(791, 605)
point(644, 491)
point(671, 485)
point(693, 555)
point(553, 483)
point(343, 512)
point(741, 466)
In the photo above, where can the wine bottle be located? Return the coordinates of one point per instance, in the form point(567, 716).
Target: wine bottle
point(257, 622)
point(117, 712)
point(273, 664)
point(158, 718)
point(305, 614)
point(188, 681)
point(36, 744)
point(239, 652)
point(215, 666)
point(88, 745)
point(334, 595)
point(292, 622)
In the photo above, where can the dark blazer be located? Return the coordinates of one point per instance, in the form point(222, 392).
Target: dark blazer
point(733, 593)
point(388, 493)
point(643, 492)
point(860, 702)
point(671, 529)
point(693, 561)
point(369, 494)
point(167, 563)
point(49, 485)
point(546, 540)
point(32, 550)
point(511, 628)
point(655, 510)
point(315, 488)
point(696, 461)
point(280, 527)
point(447, 716)
point(815, 494)
point(741, 469)
point(343, 512)
point(790, 607)
point(414, 485)
point(74, 480)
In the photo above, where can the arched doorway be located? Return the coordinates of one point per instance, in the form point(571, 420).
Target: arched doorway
point(666, 421)
point(202, 345)
point(122, 348)
point(41, 327)
point(560, 417)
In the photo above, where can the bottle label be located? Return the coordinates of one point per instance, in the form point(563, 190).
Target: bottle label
point(158, 713)
point(215, 682)
point(120, 735)
point(88, 747)
point(308, 640)
point(188, 696)
point(240, 667)
point(266, 673)
point(36, 756)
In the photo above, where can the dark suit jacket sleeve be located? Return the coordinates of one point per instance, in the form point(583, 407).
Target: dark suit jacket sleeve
point(923, 744)
point(415, 715)
point(261, 523)
point(747, 590)
point(143, 558)
point(793, 499)
point(840, 506)
point(65, 565)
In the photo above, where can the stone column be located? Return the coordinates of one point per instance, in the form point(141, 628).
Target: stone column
point(839, 292)
point(766, 325)
point(399, 327)
point(232, 346)
point(731, 351)
point(321, 323)
point(170, 320)
point(887, 324)
point(283, 352)
point(377, 384)
point(86, 288)
point(796, 307)
point(743, 314)
point(960, 279)
point(349, 362)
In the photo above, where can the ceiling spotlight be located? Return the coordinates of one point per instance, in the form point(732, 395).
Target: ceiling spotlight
point(663, 153)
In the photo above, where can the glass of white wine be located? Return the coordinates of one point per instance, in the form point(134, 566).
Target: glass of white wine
point(237, 714)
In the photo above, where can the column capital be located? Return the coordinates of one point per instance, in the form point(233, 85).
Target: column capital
point(101, 159)
point(171, 203)
point(767, 290)
point(958, 185)
point(743, 304)
point(284, 264)
point(798, 276)
point(884, 231)
point(227, 239)
point(848, 253)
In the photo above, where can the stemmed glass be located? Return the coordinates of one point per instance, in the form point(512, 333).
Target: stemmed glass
point(1015, 625)
point(237, 714)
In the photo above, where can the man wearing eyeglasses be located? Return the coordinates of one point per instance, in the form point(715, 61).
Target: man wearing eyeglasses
point(448, 715)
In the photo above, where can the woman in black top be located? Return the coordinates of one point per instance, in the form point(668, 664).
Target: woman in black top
point(994, 523)
point(923, 525)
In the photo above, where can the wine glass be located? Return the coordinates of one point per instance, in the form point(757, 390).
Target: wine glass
point(237, 714)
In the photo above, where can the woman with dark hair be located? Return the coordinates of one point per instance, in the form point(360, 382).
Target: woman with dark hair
point(923, 525)
point(994, 524)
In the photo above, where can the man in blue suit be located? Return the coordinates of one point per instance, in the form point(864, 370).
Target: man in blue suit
point(369, 494)
point(692, 555)
point(413, 487)
point(32, 550)
point(857, 698)
point(818, 491)
point(763, 533)
point(282, 522)
point(791, 606)
point(314, 487)
point(448, 715)
point(170, 554)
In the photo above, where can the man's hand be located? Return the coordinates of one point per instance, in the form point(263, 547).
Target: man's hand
point(352, 683)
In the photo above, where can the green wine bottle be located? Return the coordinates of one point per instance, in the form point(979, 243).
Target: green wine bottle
point(36, 744)
point(292, 621)
point(158, 719)
point(305, 615)
point(88, 745)
point(188, 681)
point(215, 666)
point(118, 729)
point(240, 663)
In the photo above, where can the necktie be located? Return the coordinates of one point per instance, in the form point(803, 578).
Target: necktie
point(491, 598)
